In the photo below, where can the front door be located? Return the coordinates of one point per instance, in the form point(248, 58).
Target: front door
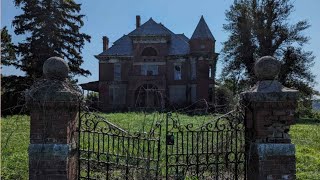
point(147, 95)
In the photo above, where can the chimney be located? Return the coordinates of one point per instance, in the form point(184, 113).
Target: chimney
point(137, 21)
point(105, 40)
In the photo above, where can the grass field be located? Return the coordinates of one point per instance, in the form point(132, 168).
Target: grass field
point(306, 136)
point(15, 141)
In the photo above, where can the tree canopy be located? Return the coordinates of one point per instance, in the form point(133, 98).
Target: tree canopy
point(261, 27)
point(52, 28)
point(7, 48)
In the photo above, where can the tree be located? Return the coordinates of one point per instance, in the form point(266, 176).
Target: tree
point(7, 48)
point(52, 28)
point(261, 27)
point(9, 84)
point(295, 71)
point(238, 50)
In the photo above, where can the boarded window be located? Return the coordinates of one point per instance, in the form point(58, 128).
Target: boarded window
point(177, 72)
point(117, 72)
point(149, 51)
point(149, 69)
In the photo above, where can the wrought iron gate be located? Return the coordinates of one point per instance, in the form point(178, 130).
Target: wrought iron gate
point(214, 150)
point(109, 152)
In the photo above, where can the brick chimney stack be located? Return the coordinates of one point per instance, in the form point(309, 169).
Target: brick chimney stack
point(105, 40)
point(138, 21)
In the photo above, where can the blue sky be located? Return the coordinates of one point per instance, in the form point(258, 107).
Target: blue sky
point(114, 18)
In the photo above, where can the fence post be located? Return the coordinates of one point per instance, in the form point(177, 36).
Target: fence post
point(54, 106)
point(270, 109)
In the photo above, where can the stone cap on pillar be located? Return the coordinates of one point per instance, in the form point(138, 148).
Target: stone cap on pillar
point(55, 86)
point(268, 88)
point(55, 68)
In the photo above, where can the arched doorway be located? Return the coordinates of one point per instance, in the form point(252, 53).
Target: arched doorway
point(148, 95)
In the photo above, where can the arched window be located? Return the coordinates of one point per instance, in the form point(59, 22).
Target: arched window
point(149, 51)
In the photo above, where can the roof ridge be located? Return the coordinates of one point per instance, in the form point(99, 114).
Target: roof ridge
point(179, 44)
point(184, 39)
point(149, 28)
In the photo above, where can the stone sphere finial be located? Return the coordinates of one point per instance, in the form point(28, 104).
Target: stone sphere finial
point(267, 68)
point(55, 68)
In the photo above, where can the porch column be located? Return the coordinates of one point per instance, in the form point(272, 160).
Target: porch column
point(270, 109)
point(54, 106)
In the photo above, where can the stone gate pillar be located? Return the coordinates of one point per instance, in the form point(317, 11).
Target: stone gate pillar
point(54, 105)
point(269, 111)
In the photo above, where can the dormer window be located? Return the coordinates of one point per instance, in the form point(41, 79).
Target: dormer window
point(149, 51)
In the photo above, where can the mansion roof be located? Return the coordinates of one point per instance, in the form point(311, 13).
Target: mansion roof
point(178, 43)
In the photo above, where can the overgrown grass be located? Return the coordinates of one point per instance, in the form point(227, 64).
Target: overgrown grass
point(306, 136)
point(140, 122)
point(15, 141)
point(14, 147)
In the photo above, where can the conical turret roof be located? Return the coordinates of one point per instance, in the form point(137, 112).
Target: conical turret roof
point(202, 31)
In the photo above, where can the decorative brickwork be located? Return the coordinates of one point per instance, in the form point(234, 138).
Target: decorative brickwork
point(54, 107)
point(270, 110)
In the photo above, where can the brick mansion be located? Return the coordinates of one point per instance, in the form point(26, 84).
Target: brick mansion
point(152, 67)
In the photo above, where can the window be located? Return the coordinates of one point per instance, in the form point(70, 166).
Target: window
point(210, 94)
point(193, 70)
point(149, 51)
point(193, 90)
point(210, 71)
point(117, 72)
point(177, 72)
point(149, 70)
point(111, 95)
point(117, 94)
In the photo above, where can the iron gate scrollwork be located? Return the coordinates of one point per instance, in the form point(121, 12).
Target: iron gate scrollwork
point(109, 152)
point(214, 150)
